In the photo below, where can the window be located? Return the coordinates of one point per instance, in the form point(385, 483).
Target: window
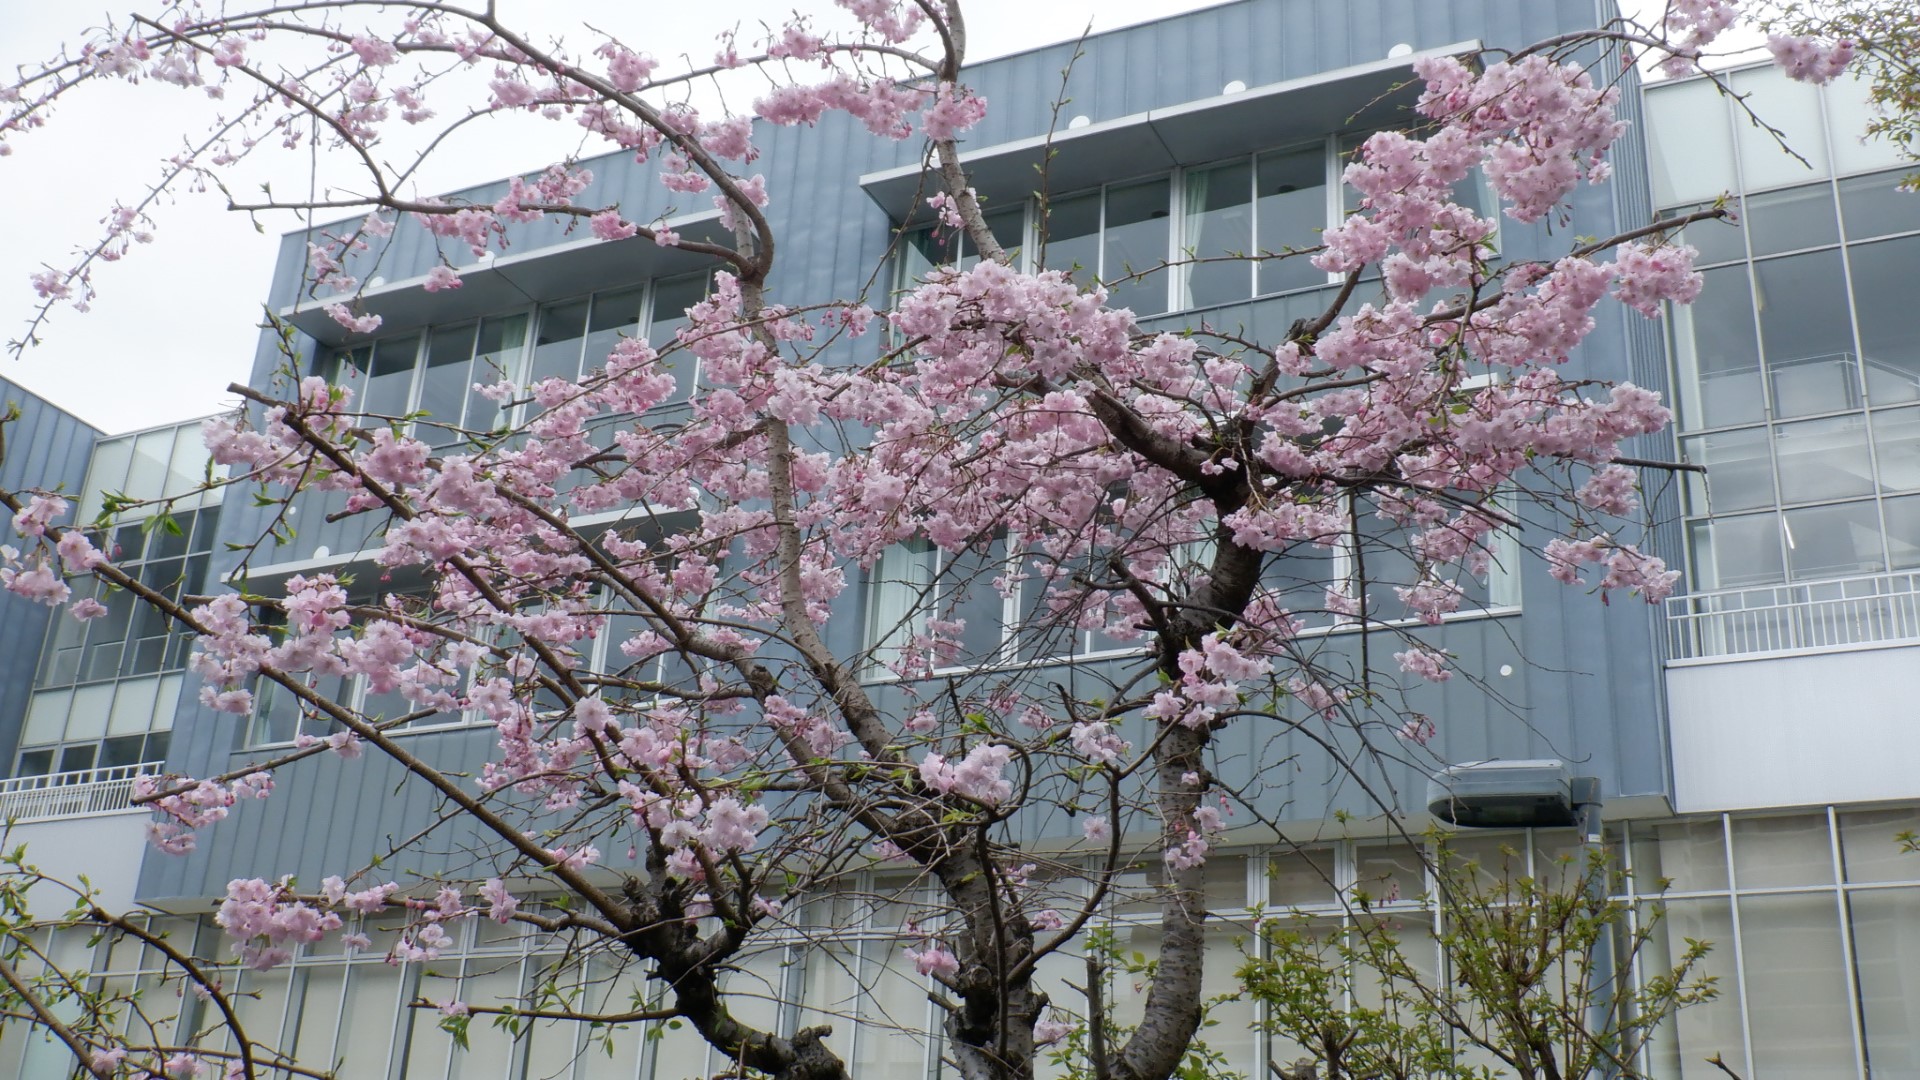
point(280, 716)
point(432, 372)
point(1124, 234)
point(1797, 375)
point(993, 609)
point(914, 583)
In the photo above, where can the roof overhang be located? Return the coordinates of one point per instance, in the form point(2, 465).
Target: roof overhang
point(1375, 95)
point(515, 280)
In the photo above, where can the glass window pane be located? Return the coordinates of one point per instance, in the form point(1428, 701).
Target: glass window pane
point(1792, 109)
point(1739, 471)
point(1807, 334)
point(148, 473)
point(923, 249)
point(893, 1014)
point(550, 1046)
point(444, 382)
point(1883, 277)
point(1009, 226)
point(1824, 459)
point(1875, 205)
point(1072, 232)
point(496, 356)
point(1694, 1034)
point(830, 994)
point(967, 593)
point(1135, 241)
point(1734, 552)
point(1685, 856)
point(1388, 875)
point(348, 368)
point(1230, 1017)
point(1871, 849)
point(1716, 240)
point(1796, 985)
point(390, 377)
point(1689, 142)
point(1717, 353)
point(556, 348)
point(1791, 220)
point(122, 751)
point(671, 299)
point(1896, 449)
point(1219, 223)
point(615, 315)
point(1833, 541)
point(1775, 851)
point(1850, 109)
point(1292, 212)
point(1886, 950)
point(312, 1027)
point(107, 472)
point(46, 716)
point(77, 758)
point(612, 1052)
point(133, 706)
point(897, 607)
point(187, 470)
point(1301, 878)
point(1903, 531)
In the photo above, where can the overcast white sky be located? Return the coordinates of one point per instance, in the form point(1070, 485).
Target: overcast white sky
point(176, 321)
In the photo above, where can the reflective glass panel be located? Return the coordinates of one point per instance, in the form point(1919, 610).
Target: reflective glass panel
point(1896, 449)
point(1292, 211)
point(1903, 531)
point(390, 378)
point(1886, 949)
point(445, 379)
point(1219, 223)
point(1833, 541)
point(1807, 334)
point(1883, 286)
point(1796, 985)
point(556, 348)
point(1737, 551)
point(1072, 232)
point(1739, 471)
point(1718, 353)
point(1875, 206)
point(1134, 241)
point(1824, 459)
point(1792, 219)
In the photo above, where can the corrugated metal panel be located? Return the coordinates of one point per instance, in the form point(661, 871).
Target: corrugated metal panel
point(46, 448)
point(1584, 684)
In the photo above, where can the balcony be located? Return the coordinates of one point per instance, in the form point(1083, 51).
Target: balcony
point(1813, 616)
point(72, 794)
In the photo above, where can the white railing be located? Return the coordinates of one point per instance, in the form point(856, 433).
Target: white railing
point(1883, 608)
point(71, 794)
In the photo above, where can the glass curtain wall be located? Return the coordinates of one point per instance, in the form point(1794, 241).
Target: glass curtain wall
point(1798, 369)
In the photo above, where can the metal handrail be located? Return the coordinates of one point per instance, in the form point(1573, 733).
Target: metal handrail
point(1810, 615)
point(72, 794)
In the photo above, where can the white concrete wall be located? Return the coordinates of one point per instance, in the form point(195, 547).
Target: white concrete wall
point(106, 848)
point(1787, 731)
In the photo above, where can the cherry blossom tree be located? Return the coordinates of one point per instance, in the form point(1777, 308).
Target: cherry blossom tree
point(1138, 486)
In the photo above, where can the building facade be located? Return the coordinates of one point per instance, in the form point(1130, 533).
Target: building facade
point(1748, 736)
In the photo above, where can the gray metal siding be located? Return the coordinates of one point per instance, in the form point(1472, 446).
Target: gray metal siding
point(47, 448)
point(1584, 684)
